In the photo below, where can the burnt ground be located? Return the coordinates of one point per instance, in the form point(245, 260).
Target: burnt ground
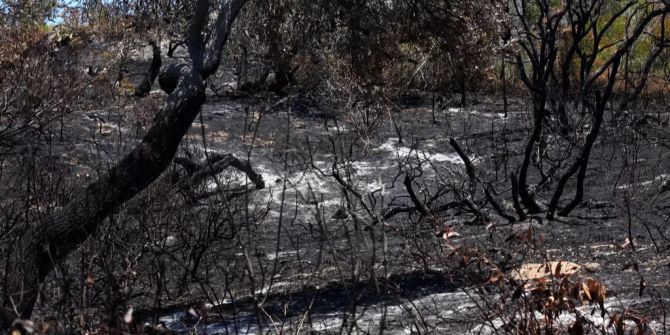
point(322, 265)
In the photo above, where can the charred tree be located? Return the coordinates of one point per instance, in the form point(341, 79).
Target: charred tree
point(550, 77)
point(169, 77)
point(539, 46)
point(144, 87)
point(48, 243)
point(603, 98)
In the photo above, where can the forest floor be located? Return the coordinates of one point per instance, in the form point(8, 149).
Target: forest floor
point(328, 272)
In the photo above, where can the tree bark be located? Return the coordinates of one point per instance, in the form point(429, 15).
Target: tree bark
point(169, 77)
point(515, 197)
point(526, 198)
point(541, 51)
point(144, 87)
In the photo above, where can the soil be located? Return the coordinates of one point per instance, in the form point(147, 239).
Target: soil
point(335, 272)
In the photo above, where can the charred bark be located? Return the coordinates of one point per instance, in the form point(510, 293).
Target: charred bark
point(169, 77)
point(496, 206)
point(539, 45)
point(412, 195)
point(515, 198)
point(522, 186)
point(215, 164)
point(144, 87)
point(469, 167)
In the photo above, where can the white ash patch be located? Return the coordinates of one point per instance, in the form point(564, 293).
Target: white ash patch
point(282, 254)
point(659, 178)
point(403, 152)
point(590, 313)
point(490, 115)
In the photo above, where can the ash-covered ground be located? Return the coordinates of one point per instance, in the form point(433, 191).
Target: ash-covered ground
point(313, 251)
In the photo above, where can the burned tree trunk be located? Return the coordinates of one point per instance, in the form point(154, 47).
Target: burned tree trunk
point(539, 47)
point(580, 165)
point(550, 75)
point(144, 87)
point(169, 77)
point(526, 198)
point(48, 243)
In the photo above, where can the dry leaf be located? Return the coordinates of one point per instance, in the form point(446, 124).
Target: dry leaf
point(451, 234)
point(597, 292)
point(447, 233)
point(625, 244)
point(128, 317)
point(587, 291)
point(531, 271)
point(495, 279)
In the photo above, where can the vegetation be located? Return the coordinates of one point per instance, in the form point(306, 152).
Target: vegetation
point(209, 166)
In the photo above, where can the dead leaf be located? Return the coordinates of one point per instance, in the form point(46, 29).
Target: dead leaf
point(531, 271)
point(452, 234)
point(624, 245)
point(128, 317)
point(495, 278)
point(447, 233)
point(587, 292)
point(597, 291)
